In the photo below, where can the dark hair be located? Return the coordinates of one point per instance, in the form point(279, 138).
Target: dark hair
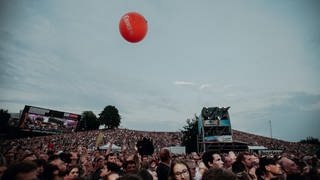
point(145, 146)
point(48, 171)
point(240, 156)
point(145, 174)
point(207, 157)
point(66, 157)
point(130, 177)
point(164, 155)
point(75, 166)
point(3, 161)
point(218, 173)
point(40, 162)
point(53, 157)
point(110, 154)
point(113, 167)
point(238, 167)
point(125, 165)
point(22, 167)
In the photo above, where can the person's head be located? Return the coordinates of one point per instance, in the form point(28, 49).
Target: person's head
point(195, 156)
point(212, 160)
point(255, 160)
point(51, 171)
point(113, 167)
point(41, 163)
point(74, 157)
point(232, 156)
point(238, 167)
point(145, 174)
point(218, 173)
point(268, 167)
point(144, 158)
point(192, 166)
point(25, 170)
point(56, 160)
point(246, 159)
point(164, 155)
point(130, 167)
point(29, 156)
point(179, 170)
point(227, 162)
point(99, 162)
point(112, 176)
point(289, 166)
point(74, 171)
point(43, 156)
point(111, 157)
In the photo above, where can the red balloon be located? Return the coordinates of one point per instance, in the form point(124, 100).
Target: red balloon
point(133, 27)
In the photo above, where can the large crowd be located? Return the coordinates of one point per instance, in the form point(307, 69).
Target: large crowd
point(77, 156)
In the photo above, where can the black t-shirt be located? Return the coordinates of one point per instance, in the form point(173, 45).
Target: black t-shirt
point(163, 171)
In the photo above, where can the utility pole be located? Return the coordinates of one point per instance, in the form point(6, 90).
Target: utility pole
point(270, 129)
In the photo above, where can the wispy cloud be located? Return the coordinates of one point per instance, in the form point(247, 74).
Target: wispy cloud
point(203, 86)
point(184, 83)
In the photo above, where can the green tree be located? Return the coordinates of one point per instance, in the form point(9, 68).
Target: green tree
point(89, 121)
point(189, 138)
point(310, 140)
point(4, 119)
point(110, 117)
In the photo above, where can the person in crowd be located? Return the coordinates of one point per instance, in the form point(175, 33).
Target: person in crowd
point(192, 166)
point(29, 156)
point(99, 165)
point(195, 157)
point(245, 160)
point(150, 166)
point(232, 156)
point(164, 165)
point(74, 158)
point(269, 168)
point(212, 159)
point(73, 172)
point(201, 169)
point(57, 161)
point(112, 176)
point(50, 172)
point(130, 167)
point(219, 174)
point(3, 165)
point(111, 157)
point(25, 170)
point(179, 170)
point(146, 175)
point(87, 166)
point(227, 162)
point(41, 163)
point(290, 168)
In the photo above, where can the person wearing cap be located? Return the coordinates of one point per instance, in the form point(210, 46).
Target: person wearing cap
point(269, 168)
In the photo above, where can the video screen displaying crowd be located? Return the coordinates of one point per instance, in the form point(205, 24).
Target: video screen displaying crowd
point(76, 156)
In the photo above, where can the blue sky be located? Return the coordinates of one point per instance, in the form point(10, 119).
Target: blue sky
point(259, 57)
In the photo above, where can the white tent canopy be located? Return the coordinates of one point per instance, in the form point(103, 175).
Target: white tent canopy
point(257, 148)
point(113, 148)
